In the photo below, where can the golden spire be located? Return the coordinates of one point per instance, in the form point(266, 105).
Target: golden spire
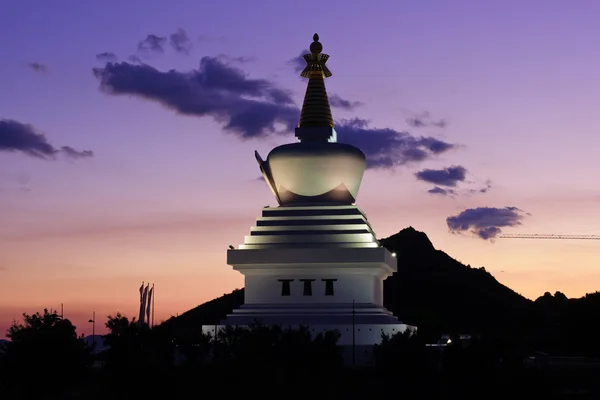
point(316, 111)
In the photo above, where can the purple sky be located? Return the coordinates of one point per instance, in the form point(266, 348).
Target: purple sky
point(504, 96)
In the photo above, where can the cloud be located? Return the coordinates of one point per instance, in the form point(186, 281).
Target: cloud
point(298, 63)
point(18, 137)
point(387, 147)
point(485, 222)
point(444, 177)
point(75, 154)
point(450, 178)
point(180, 41)
point(246, 107)
point(106, 56)
point(424, 120)
point(337, 101)
point(442, 192)
point(38, 67)
point(254, 108)
point(152, 43)
point(485, 189)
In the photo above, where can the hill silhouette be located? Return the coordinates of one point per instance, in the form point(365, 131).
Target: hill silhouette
point(430, 290)
point(433, 290)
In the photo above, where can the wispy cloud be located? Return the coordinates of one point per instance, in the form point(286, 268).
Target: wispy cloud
point(152, 43)
point(298, 63)
point(107, 57)
point(338, 102)
point(181, 42)
point(436, 190)
point(424, 120)
point(38, 67)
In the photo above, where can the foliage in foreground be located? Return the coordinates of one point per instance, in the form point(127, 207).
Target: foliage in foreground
point(44, 349)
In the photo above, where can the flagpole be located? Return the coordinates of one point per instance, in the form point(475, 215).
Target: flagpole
point(153, 297)
point(142, 310)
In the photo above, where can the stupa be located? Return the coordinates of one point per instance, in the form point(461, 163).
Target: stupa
point(314, 260)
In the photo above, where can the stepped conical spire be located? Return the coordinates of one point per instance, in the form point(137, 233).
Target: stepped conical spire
point(316, 112)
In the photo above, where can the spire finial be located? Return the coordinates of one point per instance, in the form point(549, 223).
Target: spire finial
point(315, 46)
point(315, 61)
point(316, 112)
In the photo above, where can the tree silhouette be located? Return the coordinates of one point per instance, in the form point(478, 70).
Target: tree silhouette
point(44, 349)
point(132, 346)
point(288, 353)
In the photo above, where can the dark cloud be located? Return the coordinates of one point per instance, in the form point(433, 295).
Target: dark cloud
point(444, 177)
point(18, 137)
point(297, 63)
point(252, 108)
point(337, 101)
point(247, 107)
point(485, 222)
point(424, 120)
point(152, 43)
point(442, 192)
point(38, 67)
point(106, 57)
point(387, 147)
point(181, 42)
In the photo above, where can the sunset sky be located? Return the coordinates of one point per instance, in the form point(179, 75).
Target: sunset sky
point(486, 111)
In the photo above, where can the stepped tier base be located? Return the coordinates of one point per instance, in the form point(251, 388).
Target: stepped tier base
point(310, 314)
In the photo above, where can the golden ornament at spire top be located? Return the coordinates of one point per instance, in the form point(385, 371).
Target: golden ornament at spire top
point(316, 111)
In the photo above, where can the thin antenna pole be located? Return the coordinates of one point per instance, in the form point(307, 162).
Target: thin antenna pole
point(153, 297)
point(62, 314)
point(93, 331)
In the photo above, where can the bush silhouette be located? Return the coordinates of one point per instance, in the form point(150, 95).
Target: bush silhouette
point(44, 349)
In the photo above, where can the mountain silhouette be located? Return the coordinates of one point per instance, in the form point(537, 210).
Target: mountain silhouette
point(430, 290)
point(434, 291)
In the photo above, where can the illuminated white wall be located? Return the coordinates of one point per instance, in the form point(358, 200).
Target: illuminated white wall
point(264, 287)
